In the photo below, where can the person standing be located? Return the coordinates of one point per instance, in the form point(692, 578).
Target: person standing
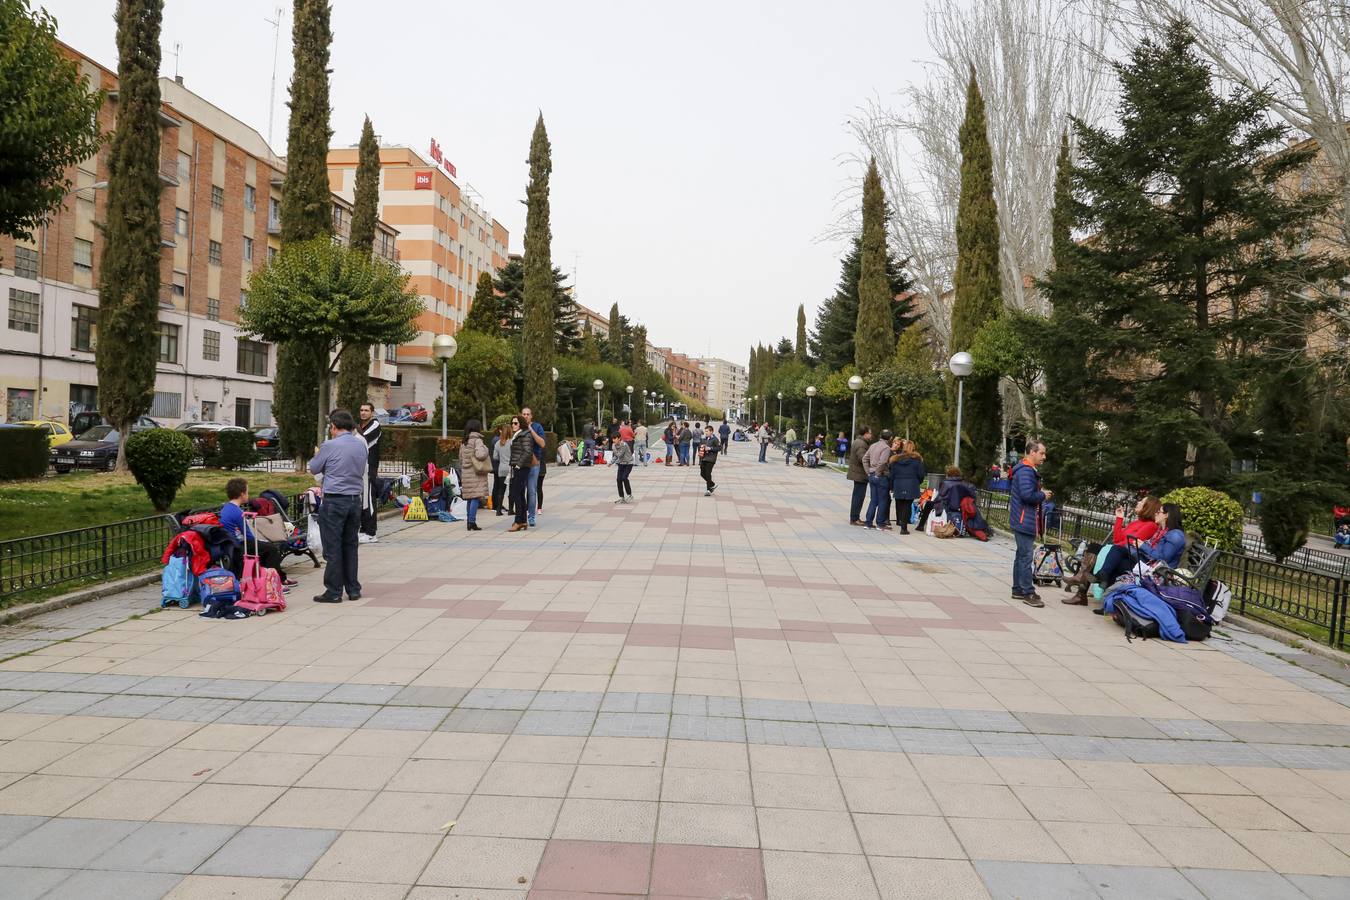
point(613, 429)
point(640, 436)
point(857, 473)
point(536, 432)
point(1025, 497)
point(686, 436)
point(501, 467)
point(341, 462)
point(628, 435)
point(522, 461)
point(669, 436)
point(708, 459)
point(765, 437)
point(907, 472)
point(841, 449)
point(473, 484)
point(369, 428)
point(623, 462)
point(724, 431)
point(877, 465)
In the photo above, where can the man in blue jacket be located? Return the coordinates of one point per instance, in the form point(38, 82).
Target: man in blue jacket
point(1025, 497)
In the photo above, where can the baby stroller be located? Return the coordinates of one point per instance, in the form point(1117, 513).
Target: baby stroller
point(296, 542)
point(1055, 558)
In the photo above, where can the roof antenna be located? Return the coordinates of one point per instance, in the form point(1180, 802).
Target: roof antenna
point(272, 94)
point(177, 52)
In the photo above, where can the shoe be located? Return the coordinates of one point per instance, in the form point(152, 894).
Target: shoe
point(473, 526)
point(289, 582)
point(538, 509)
point(904, 529)
point(713, 488)
point(499, 512)
point(325, 598)
point(1075, 600)
point(870, 527)
point(531, 523)
point(858, 522)
point(884, 527)
point(1033, 601)
point(707, 493)
point(364, 538)
point(353, 596)
point(620, 500)
point(518, 527)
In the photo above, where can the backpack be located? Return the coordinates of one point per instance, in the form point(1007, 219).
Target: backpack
point(1189, 605)
point(1218, 596)
point(1135, 624)
point(217, 584)
point(177, 583)
point(262, 591)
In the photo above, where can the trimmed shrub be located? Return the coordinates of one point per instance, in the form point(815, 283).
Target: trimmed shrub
point(236, 449)
point(159, 458)
point(23, 453)
point(1285, 515)
point(1213, 517)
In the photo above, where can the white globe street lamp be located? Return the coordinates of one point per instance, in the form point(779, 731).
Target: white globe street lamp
point(855, 384)
point(599, 386)
point(810, 396)
point(443, 347)
point(961, 365)
point(629, 389)
point(780, 410)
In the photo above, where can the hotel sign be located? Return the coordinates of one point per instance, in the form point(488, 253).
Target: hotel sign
point(440, 158)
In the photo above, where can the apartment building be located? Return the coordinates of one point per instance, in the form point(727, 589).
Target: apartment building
point(219, 210)
point(685, 375)
point(445, 240)
point(598, 323)
point(727, 383)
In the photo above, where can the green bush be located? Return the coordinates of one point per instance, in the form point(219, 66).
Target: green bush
point(1285, 515)
point(1213, 517)
point(23, 453)
point(206, 446)
point(236, 449)
point(160, 458)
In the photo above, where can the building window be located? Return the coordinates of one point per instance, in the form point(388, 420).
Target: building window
point(179, 285)
point(23, 310)
point(213, 309)
point(262, 412)
point(180, 222)
point(211, 345)
point(217, 197)
point(84, 255)
point(337, 217)
point(84, 328)
point(250, 197)
point(184, 167)
point(274, 212)
point(271, 253)
point(252, 358)
point(168, 343)
point(83, 398)
point(213, 252)
point(248, 249)
point(25, 262)
point(243, 299)
point(391, 353)
point(167, 405)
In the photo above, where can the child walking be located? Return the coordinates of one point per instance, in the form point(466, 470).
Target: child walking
point(623, 458)
point(707, 459)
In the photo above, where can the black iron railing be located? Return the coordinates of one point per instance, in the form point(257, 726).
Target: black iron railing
point(84, 554)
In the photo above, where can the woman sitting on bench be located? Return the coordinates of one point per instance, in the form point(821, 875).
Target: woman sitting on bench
point(1167, 547)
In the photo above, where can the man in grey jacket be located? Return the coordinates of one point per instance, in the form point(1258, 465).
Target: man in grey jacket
point(858, 475)
point(877, 464)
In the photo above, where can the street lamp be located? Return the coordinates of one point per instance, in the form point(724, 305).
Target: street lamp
point(961, 365)
point(780, 410)
point(854, 385)
point(629, 389)
point(443, 347)
point(810, 395)
point(599, 386)
point(42, 293)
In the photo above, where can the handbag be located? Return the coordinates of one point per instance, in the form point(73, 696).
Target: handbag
point(270, 528)
point(481, 466)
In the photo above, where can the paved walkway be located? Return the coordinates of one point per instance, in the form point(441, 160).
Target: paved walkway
point(727, 697)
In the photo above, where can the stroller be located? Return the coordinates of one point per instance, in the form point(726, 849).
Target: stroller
point(296, 542)
point(1056, 558)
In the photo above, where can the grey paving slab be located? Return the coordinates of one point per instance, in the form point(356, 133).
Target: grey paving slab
point(1190, 729)
point(14, 698)
point(931, 740)
point(22, 883)
point(1044, 881)
point(1301, 757)
point(195, 709)
point(419, 695)
point(126, 706)
point(1124, 727)
point(616, 724)
point(788, 734)
point(986, 720)
point(916, 717)
point(838, 736)
point(706, 728)
point(1023, 746)
point(362, 693)
point(45, 681)
point(114, 886)
point(635, 702)
point(71, 843)
point(256, 852)
point(228, 688)
point(497, 698)
point(551, 722)
point(263, 712)
point(1143, 883)
point(296, 691)
point(567, 701)
point(168, 685)
point(408, 718)
point(1230, 883)
point(778, 710)
point(107, 684)
point(701, 705)
point(13, 827)
point(335, 715)
point(1065, 746)
point(1056, 723)
point(165, 847)
point(490, 721)
point(847, 714)
point(57, 703)
point(1321, 887)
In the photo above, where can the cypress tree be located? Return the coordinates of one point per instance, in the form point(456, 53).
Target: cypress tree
point(637, 368)
point(801, 333)
point(129, 280)
point(831, 339)
point(353, 386)
point(874, 336)
point(538, 302)
point(590, 346)
point(979, 292)
point(1061, 214)
point(615, 338)
point(483, 315)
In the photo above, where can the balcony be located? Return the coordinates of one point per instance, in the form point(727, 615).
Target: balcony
point(168, 176)
point(167, 236)
point(273, 225)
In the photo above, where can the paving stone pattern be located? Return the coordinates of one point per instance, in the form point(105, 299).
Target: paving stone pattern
point(729, 697)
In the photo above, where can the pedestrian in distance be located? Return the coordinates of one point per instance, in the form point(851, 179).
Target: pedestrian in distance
point(907, 473)
point(522, 460)
point(670, 437)
point(707, 458)
point(724, 432)
point(841, 449)
point(877, 464)
point(536, 433)
point(501, 467)
point(765, 438)
point(1025, 497)
point(369, 429)
point(628, 435)
point(623, 463)
point(686, 438)
point(475, 464)
point(640, 442)
point(857, 473)
point(341, 463)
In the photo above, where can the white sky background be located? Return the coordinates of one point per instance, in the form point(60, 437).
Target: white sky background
point(697, 146)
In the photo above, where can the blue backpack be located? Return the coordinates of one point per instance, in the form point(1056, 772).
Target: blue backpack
point(218, 585)
point(177, 583)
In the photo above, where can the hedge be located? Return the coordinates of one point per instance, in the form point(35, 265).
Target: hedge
point(160, 458)
point(24, 453)
point(236, 449)
point(1214, 517)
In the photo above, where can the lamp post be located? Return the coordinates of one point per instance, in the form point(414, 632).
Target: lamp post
point(42, 293)
point(629, 389)
point(780, 410)
point(854, 384)
point(961, 365)
point(599, 386)
point(810, 395)
point(443, 347)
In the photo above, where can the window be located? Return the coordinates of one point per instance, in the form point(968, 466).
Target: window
point(168, 343)
point(84, 328)
point(252, 358)
point(180, 222)
point(23, 310)
point(248, 249)
point(241, 411)
point(84, 255)
point(211, 345)
point(25, 262)
point(250, 197)
point(217, 197)
point(167, 405)
point(213, 309)
point(184, 167)
point(179, 284)
point(83, 398)
point(271, 253)
point(262, 412)
point(213, 252)
point(338, 213)
point(391, 353)
point(243, 299)
point(274, 211)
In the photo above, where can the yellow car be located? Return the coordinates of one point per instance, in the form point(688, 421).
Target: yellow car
point(56, 432)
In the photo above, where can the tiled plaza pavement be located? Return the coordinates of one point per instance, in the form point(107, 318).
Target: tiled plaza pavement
point(728, 697)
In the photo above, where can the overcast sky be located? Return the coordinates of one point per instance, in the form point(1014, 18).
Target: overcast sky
point(696, 146)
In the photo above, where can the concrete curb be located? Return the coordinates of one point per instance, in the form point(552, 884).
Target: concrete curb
point(1288, 638)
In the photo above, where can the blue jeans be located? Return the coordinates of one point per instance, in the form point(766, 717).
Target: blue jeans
point(880, 505)
point(763, 449)
point(684, 454)
point(670, 452)
point(1022, 582)
point(339, 521)
point(532, 494)
point(473, 509)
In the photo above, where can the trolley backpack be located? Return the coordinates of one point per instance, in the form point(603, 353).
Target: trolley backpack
point(219, 585)
point(177, 583)
point(260, 588)
point(1189, 605)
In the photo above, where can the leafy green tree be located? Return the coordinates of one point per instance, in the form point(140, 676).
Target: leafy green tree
point(873, 337)
point(47, 119)
point(920, 408)
point(129, 280)
point(511, 299)
point(831, 339)
point(979, 292)
point(353, 386)
point(538, 302)
point(785, 352)
point(484, 317)
point(802, 354)
point(480, 379)
point(1006, 347)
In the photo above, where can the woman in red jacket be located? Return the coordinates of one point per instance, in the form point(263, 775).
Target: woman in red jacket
point(1142, 529)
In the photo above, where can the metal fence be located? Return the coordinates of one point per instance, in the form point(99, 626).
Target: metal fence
point(1301, 598)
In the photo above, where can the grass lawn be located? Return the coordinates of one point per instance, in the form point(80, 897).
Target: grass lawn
point(82, 499)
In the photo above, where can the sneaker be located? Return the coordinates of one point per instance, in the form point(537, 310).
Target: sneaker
point(1033, 601)
point(531, 523)
point(707, 493)
point(325, 598)
point(364, 538)
point(713, 488)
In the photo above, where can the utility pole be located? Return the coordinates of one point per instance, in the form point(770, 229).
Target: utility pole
point(272, 94)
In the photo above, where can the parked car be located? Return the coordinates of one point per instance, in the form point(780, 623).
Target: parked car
point(94, 449)
point(267, 441)
point(82, 422)
point(55, 431)
point(416, 411)
point(203, 427)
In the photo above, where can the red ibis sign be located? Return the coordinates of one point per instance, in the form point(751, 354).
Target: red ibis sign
point(440, 158)
point(422, 181)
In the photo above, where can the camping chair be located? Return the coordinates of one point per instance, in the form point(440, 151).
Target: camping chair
point(1198, 563)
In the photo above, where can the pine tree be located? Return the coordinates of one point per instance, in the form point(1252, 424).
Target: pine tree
point(353, 387)
point(831, 338)
point(874, 336)
point(802, 355)
point(566, 330)
point(615, 337)
point(129, 279)
point(483, 316)
point(979, 292)
point(538, 301)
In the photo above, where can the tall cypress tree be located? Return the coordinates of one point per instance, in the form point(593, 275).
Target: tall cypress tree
point(1061, 214)
point(831, 338)
point(538, 301)
point(637, 369)
point(801, 333)
point(129, 281)
point(306, 212)
point(874, 335)
point(615, 339)
point(484, 316)
point(979, 292)
point(353, 386)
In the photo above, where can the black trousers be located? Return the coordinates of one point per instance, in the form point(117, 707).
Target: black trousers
point(339, 521)
point(903, 508)
point(855, 504)
point(519, 482)
point(539, 489)
point(368, 519)
point(705, 468)
point(498, 491)
point(625, 489)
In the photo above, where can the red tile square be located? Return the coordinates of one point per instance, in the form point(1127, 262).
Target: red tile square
point(652, 640)
point(563, 627)
point(693, 871)
point(759, 634)
point(803, 625)
point(813, 637)
point(603, 867)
